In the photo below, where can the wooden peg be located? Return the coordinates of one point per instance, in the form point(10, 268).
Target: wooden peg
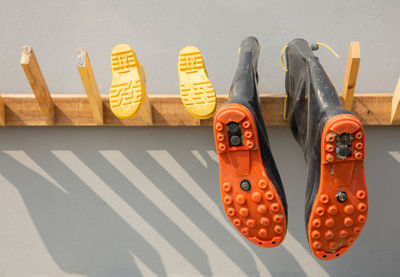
point(395, 115)
point(36, 80)
point(350, 78)
point(89, 83)
point(2, 112)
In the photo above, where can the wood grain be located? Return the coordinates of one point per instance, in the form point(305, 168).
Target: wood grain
point(36, 80)
point(167, 110)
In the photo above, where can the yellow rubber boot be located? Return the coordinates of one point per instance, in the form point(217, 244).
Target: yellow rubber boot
point(197, 92)
point(128, 88)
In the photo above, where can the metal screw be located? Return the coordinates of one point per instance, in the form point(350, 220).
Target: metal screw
point(233, 127)
point(341, 196)
point(235, 140)
point(245, 185)
point(345, 139)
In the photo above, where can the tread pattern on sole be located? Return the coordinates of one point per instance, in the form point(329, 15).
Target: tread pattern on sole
point(335, 223)
point(197, 92)
point(127, 90)
point(258, 214)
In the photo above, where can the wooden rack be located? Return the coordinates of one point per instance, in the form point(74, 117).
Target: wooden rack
point(92, 108)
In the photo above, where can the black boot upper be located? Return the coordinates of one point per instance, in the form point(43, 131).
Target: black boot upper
point(244, 91)
point(311, 101)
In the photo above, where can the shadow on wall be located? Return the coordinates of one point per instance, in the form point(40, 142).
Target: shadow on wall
point(128, 204)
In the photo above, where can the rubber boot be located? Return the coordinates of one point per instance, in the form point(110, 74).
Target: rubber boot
point(251, 189)
point(333, 142)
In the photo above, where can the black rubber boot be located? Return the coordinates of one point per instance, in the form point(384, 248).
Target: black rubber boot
point(333, 143)
point(251, 188)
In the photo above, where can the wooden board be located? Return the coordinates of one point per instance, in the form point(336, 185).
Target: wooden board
point(395, 114)
point(168, 110)
point(350, 78)
point(89, 83)
point(36, 80)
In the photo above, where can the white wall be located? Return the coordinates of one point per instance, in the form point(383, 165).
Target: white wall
point(145, 201)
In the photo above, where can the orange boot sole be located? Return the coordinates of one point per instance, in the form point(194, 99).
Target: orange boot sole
point(256, 212)
point(340, 207)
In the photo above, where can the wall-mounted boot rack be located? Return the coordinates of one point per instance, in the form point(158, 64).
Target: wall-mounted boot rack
point(92, 108)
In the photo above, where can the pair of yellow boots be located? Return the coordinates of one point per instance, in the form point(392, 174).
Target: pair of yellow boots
point(128, 88)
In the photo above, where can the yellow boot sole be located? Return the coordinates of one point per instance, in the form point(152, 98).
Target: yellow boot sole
point(128, 88)
point(197, 92)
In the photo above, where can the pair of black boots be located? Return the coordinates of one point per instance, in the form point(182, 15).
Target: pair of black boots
point(331, 138)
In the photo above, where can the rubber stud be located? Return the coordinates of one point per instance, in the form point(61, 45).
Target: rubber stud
point(240, 199)
point(359, 135)
point(222, 147)
point(330, 222)
point(329, 157)
point(333, 245)
point(246, 124)
point(245, 231)
point(362, 207)
point(230, 211)
point(358, 155)
point(269, 195)
point(264, 221)
point(220, 137)
point(315, 234)
point(227, 200)
point(357, 230)
point(333, 210)
point(219, 126)
point(319, 211)
point(361, 219)
point(262, 209)
point(349, 209)
point(329, 235)
point(275, 207)
point(343, 234)
point(256, 197)
point(262, 184)
point(262, 232)
point(248, 134)
point(244, 212)
point(278, 229)
point(317, 245)
point(350, 240)
point(251, 223)
point(360, 194)
point(348, 221)
point(359, 145)
point(227, 187)
point(324, 198)
point(278, 218)
point(316, 223)
point(250, 144)
point(330, 137)
point(329, 147)
point(237, 222)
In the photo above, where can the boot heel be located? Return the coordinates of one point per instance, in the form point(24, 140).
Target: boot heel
point(250, 200)
point(340, 207)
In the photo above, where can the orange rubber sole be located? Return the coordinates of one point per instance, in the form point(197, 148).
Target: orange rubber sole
point(340, 208)
point(257, 213)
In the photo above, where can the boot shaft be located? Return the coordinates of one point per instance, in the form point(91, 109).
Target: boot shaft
point(311, 96)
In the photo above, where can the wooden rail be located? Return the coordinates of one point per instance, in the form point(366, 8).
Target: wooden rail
point(167, 110)
point(92, 109)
